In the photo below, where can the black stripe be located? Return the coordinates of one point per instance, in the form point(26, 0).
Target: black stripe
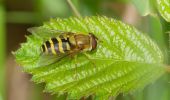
point(64, 46)
point(56, 48)
point(63, 40)
point(54, 40)
point(69, 42)
point(43, 48)
point(47, 44)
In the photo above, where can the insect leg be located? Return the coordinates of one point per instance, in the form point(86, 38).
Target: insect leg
point(75, 60)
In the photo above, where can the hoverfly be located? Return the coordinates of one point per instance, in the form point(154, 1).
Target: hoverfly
point(64, 44)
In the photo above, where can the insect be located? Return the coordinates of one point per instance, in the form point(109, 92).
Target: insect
point(69, 43)
point(65, 44)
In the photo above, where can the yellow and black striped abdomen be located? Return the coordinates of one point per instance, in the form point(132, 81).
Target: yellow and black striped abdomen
point(56, 46)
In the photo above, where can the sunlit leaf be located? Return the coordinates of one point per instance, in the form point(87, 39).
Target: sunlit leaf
point(125, 59)
point(164, 9)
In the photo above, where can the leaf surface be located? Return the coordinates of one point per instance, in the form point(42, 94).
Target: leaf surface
point(164, 9)
point(125, 59)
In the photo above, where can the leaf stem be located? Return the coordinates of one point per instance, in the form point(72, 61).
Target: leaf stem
point(73, 8)
point(2, 52)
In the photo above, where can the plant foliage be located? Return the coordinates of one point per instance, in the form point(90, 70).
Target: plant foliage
point(164, 9)
point(125, 59)
point(143, 6)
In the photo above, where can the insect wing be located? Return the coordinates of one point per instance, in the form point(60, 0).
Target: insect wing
point(49, 59)
point(44, 32)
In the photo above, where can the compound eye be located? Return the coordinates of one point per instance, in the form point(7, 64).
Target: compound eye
point(94, 44)
point(94, 41)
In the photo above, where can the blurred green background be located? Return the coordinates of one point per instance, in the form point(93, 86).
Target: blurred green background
point(18, 15)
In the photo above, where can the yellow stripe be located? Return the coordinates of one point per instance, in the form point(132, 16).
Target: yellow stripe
point(60, 45)
point(68, 46)
point(90, 43)
point(46, 50)
point(41, 49)
point(52, 47)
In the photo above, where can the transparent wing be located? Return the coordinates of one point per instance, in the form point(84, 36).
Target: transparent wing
point(49, 59)
point(44, 32)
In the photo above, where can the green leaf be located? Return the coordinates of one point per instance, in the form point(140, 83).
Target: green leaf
point(2, 53)
point(143, 6)
point(164, 9)
point(125, 59)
